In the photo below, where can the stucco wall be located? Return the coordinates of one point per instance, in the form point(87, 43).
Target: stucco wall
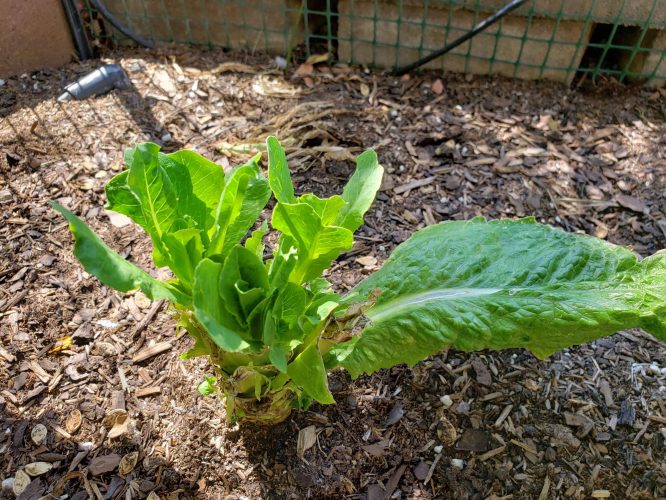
point(34, 35)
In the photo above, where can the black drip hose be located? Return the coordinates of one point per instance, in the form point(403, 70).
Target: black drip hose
point(459, 41)
point(78, 33)
point(101, 8)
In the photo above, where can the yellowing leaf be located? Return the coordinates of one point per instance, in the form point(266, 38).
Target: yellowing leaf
point(61, 344)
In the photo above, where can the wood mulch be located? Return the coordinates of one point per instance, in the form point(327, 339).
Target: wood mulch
point(95, 401)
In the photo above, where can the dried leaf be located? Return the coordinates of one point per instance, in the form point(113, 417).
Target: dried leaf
point(367, 260)
point(128, 462)
point(307, 437)
point(304, 69)
point(473, 440)
point(118, 220)
point(377, 449)
point(38, 468)
point(121, 428)
point(446, 432)
point(103, 464)
point(21, 482)
point(394, 415)
point(163, 80)
point(74, 420)
point(631, 202)
point(61, 344)
point(483, 376)
point(117, 415)
point(317, 58)
point(309, 82)
point(38, 434)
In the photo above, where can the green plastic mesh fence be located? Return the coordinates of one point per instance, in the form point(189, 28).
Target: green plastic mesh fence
point(543, 39)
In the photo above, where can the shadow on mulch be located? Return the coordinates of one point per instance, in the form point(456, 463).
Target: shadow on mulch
point(59, 454)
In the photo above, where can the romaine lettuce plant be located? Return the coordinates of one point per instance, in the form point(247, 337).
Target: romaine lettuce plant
point(272, 326)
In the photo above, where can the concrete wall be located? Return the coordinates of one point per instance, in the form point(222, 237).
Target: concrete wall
point(34, 34)
point(232, 24)
point(537, 56)
point(629, 12)
point(656, 61)
point(548, 44)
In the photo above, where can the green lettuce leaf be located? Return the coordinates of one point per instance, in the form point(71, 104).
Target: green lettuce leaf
point(243, 283)
point(494, 285)
point(308, 372)
point(166, 193)
point(255, 243)
point(186, 251)
point(359, 193)
point(111, 269)
point(318, 244)
point(241, 203)
point(211, 310)
point(284, 261)
point(121, 199)
point(200, 183)
point(279, 177)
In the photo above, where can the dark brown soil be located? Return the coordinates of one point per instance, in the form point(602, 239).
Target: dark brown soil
point(590, 422)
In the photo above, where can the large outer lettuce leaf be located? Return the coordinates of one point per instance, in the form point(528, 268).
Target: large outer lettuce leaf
point(501, 284)
point(110, 268)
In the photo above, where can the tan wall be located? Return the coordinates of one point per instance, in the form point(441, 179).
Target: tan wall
point(252, 25)
point(34, 34)
point(629, 12)
point(512, 55)
point(657, 62)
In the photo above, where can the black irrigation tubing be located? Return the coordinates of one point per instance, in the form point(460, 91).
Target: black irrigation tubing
point(78, 33)
point(459, 41)
point(101, 8)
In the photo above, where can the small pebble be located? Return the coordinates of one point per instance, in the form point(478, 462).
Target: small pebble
point(653, 369)
point(2, 82)
point(463, 408)
point(457, 462)
point(7, 484)
point(550, 455)
point(166, 137)
point(85, 446)
point(446, 401)
point(280, 62)
point(438, 449)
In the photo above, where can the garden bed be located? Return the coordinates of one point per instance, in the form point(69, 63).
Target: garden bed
point(590, 421)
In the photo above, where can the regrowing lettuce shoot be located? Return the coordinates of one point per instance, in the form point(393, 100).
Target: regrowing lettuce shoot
point(271, 325)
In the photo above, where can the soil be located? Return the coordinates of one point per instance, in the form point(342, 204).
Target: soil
point(101, 370)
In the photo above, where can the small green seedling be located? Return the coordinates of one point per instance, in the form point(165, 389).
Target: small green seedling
point(272, 327)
